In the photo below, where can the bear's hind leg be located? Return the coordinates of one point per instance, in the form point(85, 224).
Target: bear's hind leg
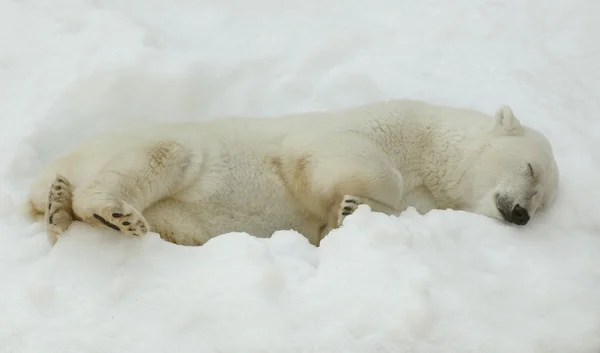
point(122, 218)
point(132, 181)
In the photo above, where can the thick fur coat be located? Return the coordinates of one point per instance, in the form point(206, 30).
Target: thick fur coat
point(190, 182)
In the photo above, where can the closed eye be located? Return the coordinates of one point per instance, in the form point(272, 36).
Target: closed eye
point(531, 170)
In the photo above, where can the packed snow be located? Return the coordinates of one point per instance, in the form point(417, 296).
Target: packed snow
point(444, 282)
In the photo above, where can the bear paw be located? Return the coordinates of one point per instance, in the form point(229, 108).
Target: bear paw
point(124, 218)
point(59, 215)
point(347, 207)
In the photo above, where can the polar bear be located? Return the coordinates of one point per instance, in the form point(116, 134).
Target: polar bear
point(192, 181)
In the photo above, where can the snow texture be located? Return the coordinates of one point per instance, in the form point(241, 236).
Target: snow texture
point(444, 282)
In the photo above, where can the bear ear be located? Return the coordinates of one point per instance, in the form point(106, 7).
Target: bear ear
point(505, 121)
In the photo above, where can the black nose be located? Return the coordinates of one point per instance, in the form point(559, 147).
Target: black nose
point(519, 216)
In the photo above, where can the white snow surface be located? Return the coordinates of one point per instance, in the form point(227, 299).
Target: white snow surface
point(443, 282)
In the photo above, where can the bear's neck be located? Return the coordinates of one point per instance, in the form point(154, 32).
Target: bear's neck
point(432, 153)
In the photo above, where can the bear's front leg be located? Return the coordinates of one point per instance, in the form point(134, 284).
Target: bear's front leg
point(350, 203)
point(321, 170)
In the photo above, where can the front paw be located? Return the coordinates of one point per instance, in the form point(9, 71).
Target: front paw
point(348, 205)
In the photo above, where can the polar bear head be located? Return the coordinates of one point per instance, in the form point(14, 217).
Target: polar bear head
point(513, 173)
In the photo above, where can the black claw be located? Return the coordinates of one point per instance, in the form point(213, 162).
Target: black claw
point(348, 208)
point(346, 213)
point(130, 229)
point(350, 201)
point(126, 223)
point(51, 219)
point(106, 223)
point(117, 215)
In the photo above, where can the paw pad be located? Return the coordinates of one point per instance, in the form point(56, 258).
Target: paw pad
point(123, 218)
point(59, 215)
point(347, 207)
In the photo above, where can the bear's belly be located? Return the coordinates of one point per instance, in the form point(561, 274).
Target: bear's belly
point(258, 206)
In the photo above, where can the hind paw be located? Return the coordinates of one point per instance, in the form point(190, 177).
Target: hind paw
point(124, 218)
point(59, 215)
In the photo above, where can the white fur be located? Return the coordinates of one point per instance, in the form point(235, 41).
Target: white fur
point(192, 181)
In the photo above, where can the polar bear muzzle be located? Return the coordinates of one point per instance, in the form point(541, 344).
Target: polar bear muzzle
point(516, 215)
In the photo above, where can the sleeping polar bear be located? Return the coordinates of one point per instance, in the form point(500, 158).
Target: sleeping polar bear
point(192, 181)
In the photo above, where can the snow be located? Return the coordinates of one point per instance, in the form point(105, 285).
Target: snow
point(444, 282)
